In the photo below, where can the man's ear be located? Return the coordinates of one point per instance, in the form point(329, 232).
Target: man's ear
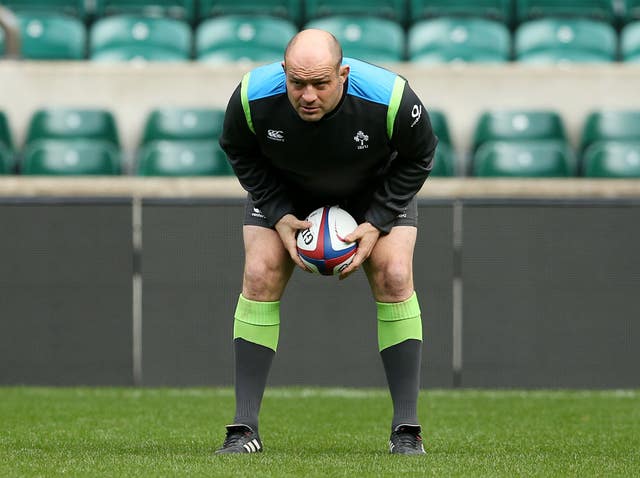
point(283, 67)
point(343, 72)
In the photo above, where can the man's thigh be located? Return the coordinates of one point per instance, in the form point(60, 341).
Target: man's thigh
point(389, 268)
point(267, 267)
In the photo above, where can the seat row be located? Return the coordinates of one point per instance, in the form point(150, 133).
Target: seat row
point(510, 12)
point(534, 143)
point(236, 38)
point(184, 142)
point(73, 141)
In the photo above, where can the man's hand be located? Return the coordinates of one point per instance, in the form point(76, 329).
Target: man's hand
point(366, 235)
point(287, 227)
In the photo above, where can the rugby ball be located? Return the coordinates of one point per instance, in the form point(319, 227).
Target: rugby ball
point(322, 247)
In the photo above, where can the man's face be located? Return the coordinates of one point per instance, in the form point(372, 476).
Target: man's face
point(314, 89)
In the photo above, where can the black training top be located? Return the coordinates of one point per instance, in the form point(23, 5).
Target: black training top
point(378, 142)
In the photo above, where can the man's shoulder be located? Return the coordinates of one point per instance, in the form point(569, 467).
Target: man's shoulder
point(263, 81)
point(371, 82)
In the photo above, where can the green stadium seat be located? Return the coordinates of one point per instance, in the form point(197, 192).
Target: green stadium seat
point(497, 10)
point(183, 158)
point(237, 38)
point(445, 40)
point(534, 159)
point(50, 36)
point(631, 11)
point(178, 9)
point(288, 9)
point(552, 40)
point(72, 123)
point(389, 9)
point(440, 126)
point(612, 159)
point(7, 160)
point(602, 10)
point(517, 125)
point(136, 38)
point(76, 8)
point(444, 162)
point(610, 125)
point(71, 158)
point(630, 43)
point(5, 132)
point(367, 38)
point(176, 124)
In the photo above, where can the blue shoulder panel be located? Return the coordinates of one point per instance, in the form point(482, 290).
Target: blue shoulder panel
point(370, 82)
point(267, 80)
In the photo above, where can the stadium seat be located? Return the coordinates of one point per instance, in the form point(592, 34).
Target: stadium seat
point(610, 125)
point(237, 38)
point(602, 10)
point(5, 132)
point(50, 36)
point(612, 159)
point(136, 38)
point(444, 162)
point(444, 40)
point(630, 43)
point(551, 41)
point(72, 123)
point(497, 10)
point(631, 11)
point(177, 124)
point(524, 159)
point(183, 158)
point(516, 125)
point(287, 9)
point(367, 38)
point(70, 158)
point(178, 9)
point(76, 8)
point(440, 126)
point(6, 160)
point(389, 9)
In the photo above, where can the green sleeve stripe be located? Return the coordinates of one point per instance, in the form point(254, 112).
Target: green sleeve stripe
point(244, 89)
point(394, 104)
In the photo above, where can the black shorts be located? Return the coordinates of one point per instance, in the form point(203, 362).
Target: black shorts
point(409, 217)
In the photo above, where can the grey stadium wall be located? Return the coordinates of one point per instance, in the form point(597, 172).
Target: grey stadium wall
point(134, 281)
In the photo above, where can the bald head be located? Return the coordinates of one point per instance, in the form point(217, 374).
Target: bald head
point(315, 75)
point(314, 44)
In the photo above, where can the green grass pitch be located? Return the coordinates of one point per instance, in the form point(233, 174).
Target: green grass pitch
point(141, 432)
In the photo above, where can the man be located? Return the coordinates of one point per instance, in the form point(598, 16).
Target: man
point(315, 130)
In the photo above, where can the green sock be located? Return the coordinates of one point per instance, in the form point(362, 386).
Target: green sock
point(255, 332)
point(400, 345)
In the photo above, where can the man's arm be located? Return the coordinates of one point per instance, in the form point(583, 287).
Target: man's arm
point(253, 170)
point(415, 144)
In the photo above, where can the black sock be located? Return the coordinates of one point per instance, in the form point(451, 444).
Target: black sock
point(253, 362)
point(402, 367)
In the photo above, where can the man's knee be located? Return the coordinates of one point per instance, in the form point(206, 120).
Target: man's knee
point(265, 278)
point(393, 280)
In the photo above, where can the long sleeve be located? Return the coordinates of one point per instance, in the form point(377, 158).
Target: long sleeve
point(415, 146)
point(255, 173)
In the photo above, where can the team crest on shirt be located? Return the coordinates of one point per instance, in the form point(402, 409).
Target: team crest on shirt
point(361, 139)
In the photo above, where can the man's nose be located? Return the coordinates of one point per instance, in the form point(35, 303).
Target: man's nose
point(309, 94)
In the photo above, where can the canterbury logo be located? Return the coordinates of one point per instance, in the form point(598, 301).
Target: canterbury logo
point(275, 134)
point(252, 446)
